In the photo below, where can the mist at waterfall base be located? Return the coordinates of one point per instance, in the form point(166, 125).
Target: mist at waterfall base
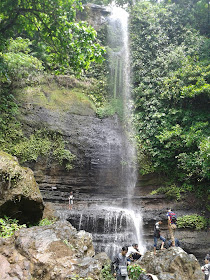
point(114, 224)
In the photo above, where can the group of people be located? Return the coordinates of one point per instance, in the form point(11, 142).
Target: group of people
point(121, 260)
point(172, 219)
point(131, 253)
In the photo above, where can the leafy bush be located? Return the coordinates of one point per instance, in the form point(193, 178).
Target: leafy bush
point(9, 226)
point(173, 191)
point(46, 222)
point(20, 64)
point(106, 273)
point(134, 271)
point(193, 221)
point(41, 143)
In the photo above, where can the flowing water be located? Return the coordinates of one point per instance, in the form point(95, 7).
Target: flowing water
point(113, 224)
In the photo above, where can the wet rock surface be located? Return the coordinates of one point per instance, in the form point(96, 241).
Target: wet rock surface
point(20, 196)
point(172, 264)
point(56, 251)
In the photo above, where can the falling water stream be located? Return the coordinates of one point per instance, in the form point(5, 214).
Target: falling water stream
point(111, 225)
point(119, 61)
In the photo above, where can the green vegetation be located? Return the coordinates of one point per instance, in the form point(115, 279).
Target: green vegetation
point(114, 106)
point(46, 222)
point(40, 143)
point(60, 41)
point(171, 192)
point(38, 39)
point(106, 273)
point(9, 226)
point(171, 78)
point(193, 222)
point(171, 82)
point(134, 271)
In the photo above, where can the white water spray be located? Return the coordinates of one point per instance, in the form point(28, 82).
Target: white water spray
point(119, 60)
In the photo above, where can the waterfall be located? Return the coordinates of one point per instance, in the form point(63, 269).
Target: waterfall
point(113, 220)
point(119, 81)
point(119, 61)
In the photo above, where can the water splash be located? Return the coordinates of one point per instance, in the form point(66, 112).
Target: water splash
point(119, 58)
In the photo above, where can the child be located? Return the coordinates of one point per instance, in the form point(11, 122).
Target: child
point(71, 198)
point(206, 268)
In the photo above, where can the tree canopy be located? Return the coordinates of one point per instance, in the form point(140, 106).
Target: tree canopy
point(57, 37)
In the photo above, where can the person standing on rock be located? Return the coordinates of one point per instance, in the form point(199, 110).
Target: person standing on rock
point(119, 265)
point(71, 200)
point(206, 269)
point(158, 236)
point(171, 225)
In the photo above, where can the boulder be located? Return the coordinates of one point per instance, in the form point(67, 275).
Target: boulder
point(56, 251)
point(20, 196)
point(172, 264)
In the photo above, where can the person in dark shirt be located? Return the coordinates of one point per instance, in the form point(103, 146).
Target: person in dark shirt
point(158, 236)
point(119, 264)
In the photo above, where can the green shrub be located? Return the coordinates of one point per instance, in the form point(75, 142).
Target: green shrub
point(106, 273)
point(134, 271)
point(9, 226)
point(41, 143)
point(173, 191)
point(46, 222)
point(20, 64)
point(193, 221)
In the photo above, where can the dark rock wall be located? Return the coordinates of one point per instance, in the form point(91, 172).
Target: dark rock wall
point(98, 147)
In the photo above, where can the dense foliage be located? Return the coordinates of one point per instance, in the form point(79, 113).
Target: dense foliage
point(60, 41)
point(193, 222)
point(171, 76)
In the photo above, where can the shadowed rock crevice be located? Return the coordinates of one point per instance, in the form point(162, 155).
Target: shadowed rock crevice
point(26, 211)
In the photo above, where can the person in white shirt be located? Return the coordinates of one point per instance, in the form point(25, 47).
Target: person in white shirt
point(206, 268)
point(133, 252)
point(71, 200)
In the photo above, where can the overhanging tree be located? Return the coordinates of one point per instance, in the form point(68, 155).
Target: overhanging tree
point(60, 40)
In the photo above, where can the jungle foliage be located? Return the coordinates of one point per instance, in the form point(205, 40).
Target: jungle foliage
point(57, 38)
point(171, 88)
point(193, 222)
